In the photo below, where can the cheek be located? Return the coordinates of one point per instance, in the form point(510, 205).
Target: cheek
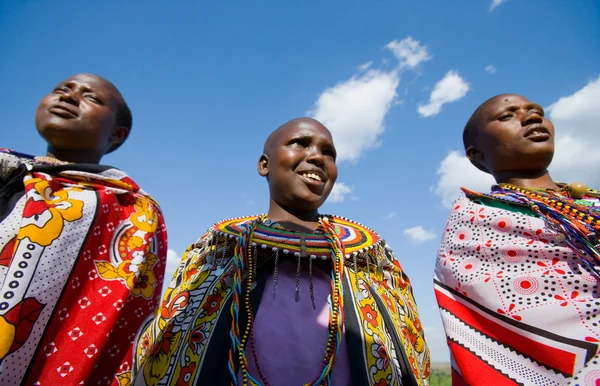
point(332, 171)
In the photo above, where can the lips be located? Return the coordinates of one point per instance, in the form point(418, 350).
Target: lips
point(537, 133)
point(314, 179)
point(63, 111)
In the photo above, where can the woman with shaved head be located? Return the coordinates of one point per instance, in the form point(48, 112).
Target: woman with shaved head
point(292, 297)
point(517, 276)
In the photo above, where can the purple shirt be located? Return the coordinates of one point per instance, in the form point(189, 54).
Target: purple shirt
point(290, 338)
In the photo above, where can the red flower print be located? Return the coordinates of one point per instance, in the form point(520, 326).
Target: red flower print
point(477, 214)
point(164, 346)
point(572, 298)
point(486, 244)
point(186, 374)
point(212, 304)
point(381, 382)
point(448, 257)
point(509, 312)
point(418, 325)
point(552, 266)
point(412, 363)
point(370, 315)
point(537, 234)
point(427, 369)
point(388, 303)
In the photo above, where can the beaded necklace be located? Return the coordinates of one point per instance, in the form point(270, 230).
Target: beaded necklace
point(244, 262)
point(580, 224)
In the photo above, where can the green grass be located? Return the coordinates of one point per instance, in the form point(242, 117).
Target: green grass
point(440, 375)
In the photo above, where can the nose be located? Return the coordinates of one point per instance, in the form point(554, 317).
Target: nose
point(315, 156)
point(69, 97)
point(532, 117)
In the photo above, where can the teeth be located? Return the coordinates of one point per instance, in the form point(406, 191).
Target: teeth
point(312, 176)
point(535, 132)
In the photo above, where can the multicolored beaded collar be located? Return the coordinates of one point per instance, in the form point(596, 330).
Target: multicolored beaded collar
point(356, 238)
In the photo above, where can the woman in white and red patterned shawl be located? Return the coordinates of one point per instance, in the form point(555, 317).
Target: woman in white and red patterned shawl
point(516, 278)
point(82, 247)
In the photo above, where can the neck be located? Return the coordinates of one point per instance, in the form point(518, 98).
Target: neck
point(539, 179)
point(84, 157)
point(299, 221)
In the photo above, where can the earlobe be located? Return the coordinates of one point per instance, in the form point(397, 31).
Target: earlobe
point(476, 157)
point(119, 136)
point(263, 165)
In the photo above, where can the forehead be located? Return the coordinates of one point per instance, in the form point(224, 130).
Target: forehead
point(90, 82)
point(305, 128)
point(502, 101)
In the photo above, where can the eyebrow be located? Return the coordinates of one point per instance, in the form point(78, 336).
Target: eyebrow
point(528, 106)
point(72, 83)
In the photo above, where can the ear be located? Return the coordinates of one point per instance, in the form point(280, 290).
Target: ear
point(263, 165)
point(118, 136)
point(477, 158)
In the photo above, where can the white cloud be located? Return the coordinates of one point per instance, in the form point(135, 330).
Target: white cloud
point(491, 69)
point(365, 66)
point(354, 111)
point(456, 171)
point(418, 234)
point(339, 192)
point(391, 215)
point(495, 3)
point(172, 262)
point(575, 119)
point(449, 89)
point(409, 52)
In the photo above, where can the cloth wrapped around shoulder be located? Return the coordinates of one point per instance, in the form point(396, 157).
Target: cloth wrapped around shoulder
point(82, 255)
point(517, 284)
point(198, 334)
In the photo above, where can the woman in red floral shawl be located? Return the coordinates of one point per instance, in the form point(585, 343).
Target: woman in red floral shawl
point(82, 247)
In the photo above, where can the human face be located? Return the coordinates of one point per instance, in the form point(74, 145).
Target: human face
point(300, 165)
point(513, 135)
point(79, 115)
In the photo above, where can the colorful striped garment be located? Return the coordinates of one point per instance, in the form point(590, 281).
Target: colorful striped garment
point(189, 341)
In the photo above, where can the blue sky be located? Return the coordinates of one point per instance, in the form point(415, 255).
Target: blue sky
point(395, 81)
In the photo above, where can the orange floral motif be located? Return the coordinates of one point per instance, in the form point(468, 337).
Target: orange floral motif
point(144, 218)
point(137, 273)
point(370, 315)
point(46, 211)
point(213, 304)
point(186, 374)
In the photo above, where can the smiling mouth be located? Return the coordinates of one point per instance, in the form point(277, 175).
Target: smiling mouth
point(311, 176)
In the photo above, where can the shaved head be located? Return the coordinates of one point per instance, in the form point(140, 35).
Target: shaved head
point(472, 127)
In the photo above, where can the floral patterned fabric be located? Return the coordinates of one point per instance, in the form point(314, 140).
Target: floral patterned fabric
point(82, 255)
point(187, 342)
point(519, 306)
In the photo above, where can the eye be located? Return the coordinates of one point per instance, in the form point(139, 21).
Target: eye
point(538, 112)
point(60, 90)
point(505, 116)
point(92, 98)
point(303, 142)
point(330, 153)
